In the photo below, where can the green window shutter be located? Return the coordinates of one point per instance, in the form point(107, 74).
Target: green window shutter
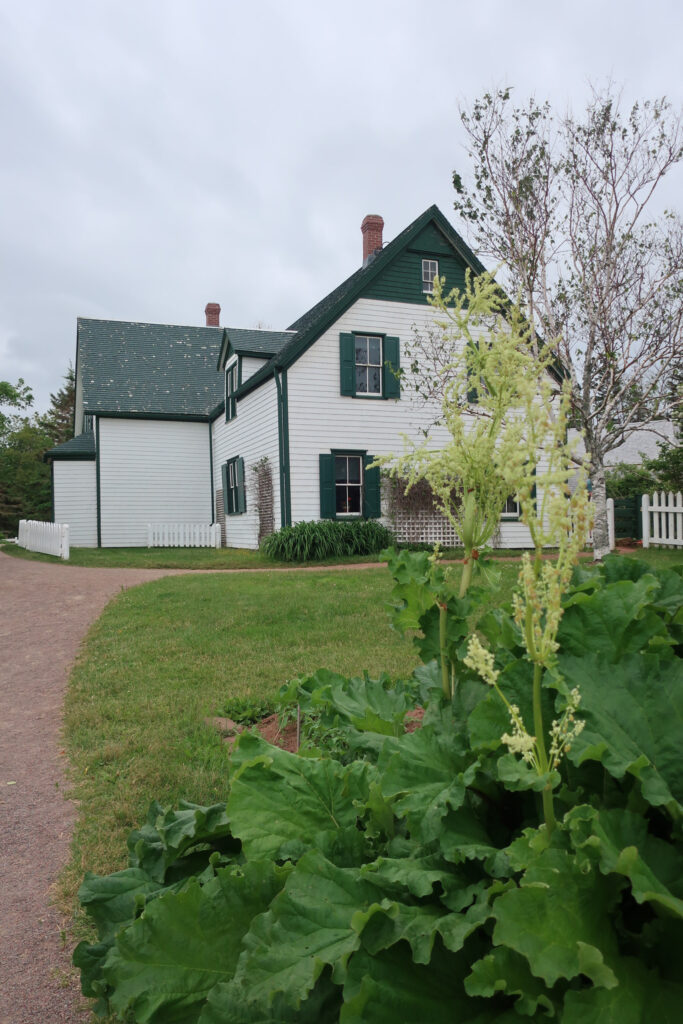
point(347, 364)
point(241, 489)
point(391, 384)
point(224, 476)
point(328, 505)
point(371, 489)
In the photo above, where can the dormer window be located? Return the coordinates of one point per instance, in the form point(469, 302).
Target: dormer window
point(430, 270)
point(231, 385)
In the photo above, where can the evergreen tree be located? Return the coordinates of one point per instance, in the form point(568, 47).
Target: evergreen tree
point(58, 421)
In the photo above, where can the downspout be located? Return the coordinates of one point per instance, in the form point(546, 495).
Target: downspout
point(97, 476)
point(211, 471)
point(283, 446)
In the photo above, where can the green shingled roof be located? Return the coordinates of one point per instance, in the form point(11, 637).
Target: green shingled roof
point(80, 447)
point(149, 369)
point(257, 343)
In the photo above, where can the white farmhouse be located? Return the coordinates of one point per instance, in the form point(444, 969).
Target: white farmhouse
point(259, 429)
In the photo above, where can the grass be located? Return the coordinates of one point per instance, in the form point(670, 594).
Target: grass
point(200, 558)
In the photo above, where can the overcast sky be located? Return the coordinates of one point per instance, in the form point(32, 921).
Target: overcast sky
point(161, 154)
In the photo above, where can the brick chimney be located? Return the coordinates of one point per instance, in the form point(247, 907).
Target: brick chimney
point(213, 314)
point(372, 236)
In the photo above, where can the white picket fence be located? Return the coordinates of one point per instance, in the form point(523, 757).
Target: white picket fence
point(662, 519)
point(183, 535)
point(48, 538)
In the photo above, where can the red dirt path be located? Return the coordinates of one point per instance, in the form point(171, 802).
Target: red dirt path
point(45, 611)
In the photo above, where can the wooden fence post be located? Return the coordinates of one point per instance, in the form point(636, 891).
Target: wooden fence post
point(645, 507)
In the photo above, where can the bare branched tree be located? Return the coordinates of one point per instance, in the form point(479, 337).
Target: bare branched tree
point(562, 204)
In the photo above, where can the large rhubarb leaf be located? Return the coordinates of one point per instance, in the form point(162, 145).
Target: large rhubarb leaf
point(559, 919)
point(169, 835)
point(277, 798)
point(634, 719)
point(165, 964)
point(111, 900)
point(314, 922)
point(505, 971)
point(615, 620)
point(427, 773)
point(641, 997)
point(390, 987)
point(233, 1003)
point(620, 842)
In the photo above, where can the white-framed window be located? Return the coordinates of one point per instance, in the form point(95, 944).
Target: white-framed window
point(87, 423)
point(430, 270)
point(369, 365)
point(511, 510)
point(234, 495)
point(231, 385)
point(368, 357)
point(348, 485)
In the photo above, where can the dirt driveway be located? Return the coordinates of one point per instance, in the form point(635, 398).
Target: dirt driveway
point(45, 611)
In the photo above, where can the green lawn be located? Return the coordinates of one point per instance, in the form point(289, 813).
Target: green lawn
point(165, 655)
point(193, 558)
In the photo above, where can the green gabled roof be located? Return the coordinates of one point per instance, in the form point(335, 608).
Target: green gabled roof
point(149, 369)
point(261, 344)
point(312, 324)
point(80, 447)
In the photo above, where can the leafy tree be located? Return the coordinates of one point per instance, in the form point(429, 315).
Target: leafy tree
point(15, 397)
point(561, 203)
point(25, 488)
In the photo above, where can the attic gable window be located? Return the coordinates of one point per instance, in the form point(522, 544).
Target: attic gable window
point(430, 270)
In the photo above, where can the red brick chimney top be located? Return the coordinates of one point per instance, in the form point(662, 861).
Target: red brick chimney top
point(372, 235)
point(213, 314)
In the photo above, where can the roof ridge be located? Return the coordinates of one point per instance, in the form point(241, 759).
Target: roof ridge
point(143, 323)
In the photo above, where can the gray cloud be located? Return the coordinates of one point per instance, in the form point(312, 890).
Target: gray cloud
point(161, 156)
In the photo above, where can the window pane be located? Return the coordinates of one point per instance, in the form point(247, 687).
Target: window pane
point(353, 500)
point(361, 380)
point(340, 470)
point(341, 505)
point(374, 351)
point(354, 470)
point(374, 379)
point(361, 350)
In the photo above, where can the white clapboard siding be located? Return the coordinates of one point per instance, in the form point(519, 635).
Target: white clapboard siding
point(75, 499)
point(252, 435)
point(152, 471)
point(183, 535)
point(250, 365)
point(662, 519)
point(321, 419)
point(47, 538)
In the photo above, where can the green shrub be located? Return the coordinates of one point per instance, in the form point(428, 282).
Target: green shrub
point(314, 541)
point(663, 473)
point(624, 481)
